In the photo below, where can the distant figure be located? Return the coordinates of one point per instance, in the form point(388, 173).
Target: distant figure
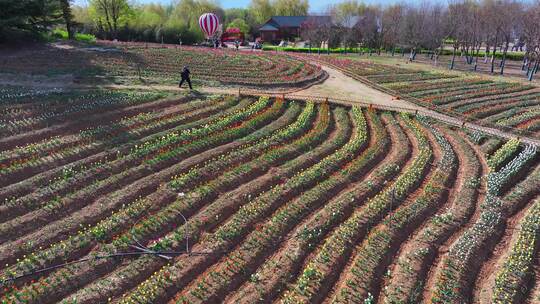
point(237, 44)
point(185, 77)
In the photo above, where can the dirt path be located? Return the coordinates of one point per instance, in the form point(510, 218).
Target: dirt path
point(341, 86)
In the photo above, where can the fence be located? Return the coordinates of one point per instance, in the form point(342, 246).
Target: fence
point(473, 125)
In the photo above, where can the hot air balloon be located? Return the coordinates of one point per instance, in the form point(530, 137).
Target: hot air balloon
point(209, 24)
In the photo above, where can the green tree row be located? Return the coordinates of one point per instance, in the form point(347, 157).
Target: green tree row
point(117, 19)
point(30, 17)
point(123, 20)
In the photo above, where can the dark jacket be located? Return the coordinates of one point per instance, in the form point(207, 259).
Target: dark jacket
point(185, 73)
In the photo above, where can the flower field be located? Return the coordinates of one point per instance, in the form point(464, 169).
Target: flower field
point(141, 65)
point(143, 197)
point(495, 103)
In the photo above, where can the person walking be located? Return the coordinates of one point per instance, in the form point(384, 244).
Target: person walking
point(185, 77)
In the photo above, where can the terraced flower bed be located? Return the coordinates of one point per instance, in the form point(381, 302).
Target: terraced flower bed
point(195, 198)
point(500, 104)
point(141, 65)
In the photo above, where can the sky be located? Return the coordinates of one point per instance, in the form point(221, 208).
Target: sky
point(315, 6)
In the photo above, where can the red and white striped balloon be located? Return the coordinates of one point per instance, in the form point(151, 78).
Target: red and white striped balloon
point(209, 24)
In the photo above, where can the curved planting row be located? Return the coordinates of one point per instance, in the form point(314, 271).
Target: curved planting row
point(516, 271)
point(458, 268)
point(406, 278)
point(265, 200)
point(163, 65)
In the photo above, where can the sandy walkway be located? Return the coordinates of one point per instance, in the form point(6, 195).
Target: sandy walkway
point(341, 86)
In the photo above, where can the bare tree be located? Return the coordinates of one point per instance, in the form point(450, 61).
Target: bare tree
point(413, 30)
point(314, 32)
point(511, 11)
point(392, 17)
point(435, 33)
point(531, 36)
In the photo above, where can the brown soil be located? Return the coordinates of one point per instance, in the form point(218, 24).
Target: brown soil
point(116, 167)
point(336, 277)
point(534, 294)
point(141, 183)
point(407, 279)
point(54, 161)
point(35, 220)
point(485, 281)
point(225, 206)
point(82, 121)
point(478, 100)
point(524, 124)
point(292, 251)
point(374, 281)
point(254, 260)
point(443, 249)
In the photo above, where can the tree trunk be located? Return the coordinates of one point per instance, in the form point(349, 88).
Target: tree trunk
point(493, 57)
point(467, 57)
point(477, 55)
point(532, 71)
point(525, 58)
point(453, 58)
point(68, 17)
point(503, 61)
point(115, 30)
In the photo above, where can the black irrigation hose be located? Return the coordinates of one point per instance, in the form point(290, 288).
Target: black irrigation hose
point(142, 250)
point(98, 257)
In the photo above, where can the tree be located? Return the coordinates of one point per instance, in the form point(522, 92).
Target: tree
point(512, 13)
point(392, 17)
point(369, 26)
point(413, 29)
point(110, 13)
point(235, 13)
point(291, 7)
point(31, 16)
point(345, 16)
point(312, 32)
point(261, 10)
point(240, 24)
point(68, 17)
point(531, 36)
